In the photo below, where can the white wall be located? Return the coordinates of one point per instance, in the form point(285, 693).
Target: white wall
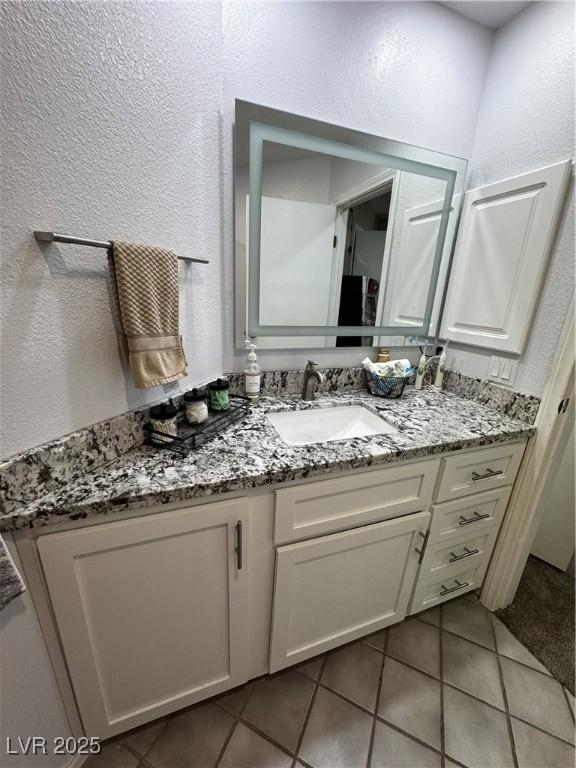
point(30, 703)
point(110, 129)
point(526, 121)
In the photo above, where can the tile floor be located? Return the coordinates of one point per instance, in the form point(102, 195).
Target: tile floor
point(450, 688)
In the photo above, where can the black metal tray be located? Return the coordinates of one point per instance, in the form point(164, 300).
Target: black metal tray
point(193, 436)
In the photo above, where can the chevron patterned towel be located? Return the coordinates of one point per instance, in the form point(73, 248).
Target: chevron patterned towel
point(11, 584)
point(146, 280)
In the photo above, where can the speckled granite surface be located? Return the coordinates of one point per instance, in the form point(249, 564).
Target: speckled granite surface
point(252, 454)
point(506, 401)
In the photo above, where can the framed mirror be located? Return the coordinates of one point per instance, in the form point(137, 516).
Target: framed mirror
point(342, 239)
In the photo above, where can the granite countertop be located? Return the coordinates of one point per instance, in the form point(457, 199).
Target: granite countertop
point(251, 454)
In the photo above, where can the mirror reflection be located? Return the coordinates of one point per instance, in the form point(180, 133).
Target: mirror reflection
point(343, 243)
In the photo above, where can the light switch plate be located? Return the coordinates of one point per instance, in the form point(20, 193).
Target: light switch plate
point(502, 370)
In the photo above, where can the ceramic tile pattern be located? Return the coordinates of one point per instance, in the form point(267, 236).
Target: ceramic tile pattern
point(366, 705)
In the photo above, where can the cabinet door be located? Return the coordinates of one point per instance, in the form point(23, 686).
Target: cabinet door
point(337, 588)
point(152, 612)
point(501, 256)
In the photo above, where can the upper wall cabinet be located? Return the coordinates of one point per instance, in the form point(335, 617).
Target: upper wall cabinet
point(505, 239)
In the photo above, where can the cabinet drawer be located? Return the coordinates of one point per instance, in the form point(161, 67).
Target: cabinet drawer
point(467, 516)
point(481, 470)
point(314, 509)
point(430, 593)
point(448, 557)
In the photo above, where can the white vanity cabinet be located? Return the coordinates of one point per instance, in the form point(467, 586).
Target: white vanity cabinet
point(152, 612)
point(334, 589)
point(158, 611)
point(470, 500)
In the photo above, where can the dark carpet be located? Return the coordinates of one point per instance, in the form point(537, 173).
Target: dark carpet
point(542, 617)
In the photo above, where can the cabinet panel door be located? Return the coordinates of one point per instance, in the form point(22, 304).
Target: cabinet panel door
point(337, 588)
point(506, 236)
point(152, 612)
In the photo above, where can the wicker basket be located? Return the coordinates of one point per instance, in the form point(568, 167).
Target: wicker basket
point(393, 386)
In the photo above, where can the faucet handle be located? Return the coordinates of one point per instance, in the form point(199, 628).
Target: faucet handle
point(311, 365)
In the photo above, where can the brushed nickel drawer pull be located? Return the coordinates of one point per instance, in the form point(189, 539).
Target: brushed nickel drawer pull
point(489, 473)
point(467, 553)
point(239, 546)
point(420, 552)
point(459, 585)
point(477, 516)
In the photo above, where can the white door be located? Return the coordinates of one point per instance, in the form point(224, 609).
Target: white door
point(296, 261)
point(503, 248)
point(411, 282)
point(152, 612)
point(337, 588)
point(554, 541)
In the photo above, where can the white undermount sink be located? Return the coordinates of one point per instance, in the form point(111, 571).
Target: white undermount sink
point(320, 425)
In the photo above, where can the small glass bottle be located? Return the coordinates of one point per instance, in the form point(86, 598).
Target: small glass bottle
point(196, 407)
point(163, 420)
point(219, 395)
point(383, 356)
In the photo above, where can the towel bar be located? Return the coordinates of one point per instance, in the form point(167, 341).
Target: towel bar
point(55, 237)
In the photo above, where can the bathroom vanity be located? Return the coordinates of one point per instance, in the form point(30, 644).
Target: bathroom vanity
point(173, 579)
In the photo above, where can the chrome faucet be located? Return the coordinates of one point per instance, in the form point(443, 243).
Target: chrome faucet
point(312, 377)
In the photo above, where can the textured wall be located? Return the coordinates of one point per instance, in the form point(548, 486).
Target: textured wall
point(110, 128)
point(526, 121)
point(410, 71)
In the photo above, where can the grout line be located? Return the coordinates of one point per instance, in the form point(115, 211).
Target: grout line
point(409, 735)
point(440, 641)
point(504, 696)
point(226, 742)
point(417, 669)
point(312, 700)
point(541, 730)
point(567, 697)
point(377, 704)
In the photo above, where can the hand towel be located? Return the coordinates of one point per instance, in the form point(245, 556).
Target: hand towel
point(146, 281)
point(11, 583)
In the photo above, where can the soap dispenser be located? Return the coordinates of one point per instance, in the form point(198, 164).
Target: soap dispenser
point(252, 373)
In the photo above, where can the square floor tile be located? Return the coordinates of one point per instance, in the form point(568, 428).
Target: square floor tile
point(311, 668)
point(278, 706)
point(475, 734)
point(509, 646)
point(337, 734)
point(235, 701)
point(411, 700)
point(192, 739)
point(535, 749)
point(247, 749)
point(376, 640)
point(354, 671)
point(140, 739)
point(470, 620)
point(431, 616)
point(417, 644)
point(394, 750)
point(537, 698)
point(112, 755)
point(472, 669)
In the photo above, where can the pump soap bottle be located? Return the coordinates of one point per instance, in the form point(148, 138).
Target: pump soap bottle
point(252, 374)
point(421, 370)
